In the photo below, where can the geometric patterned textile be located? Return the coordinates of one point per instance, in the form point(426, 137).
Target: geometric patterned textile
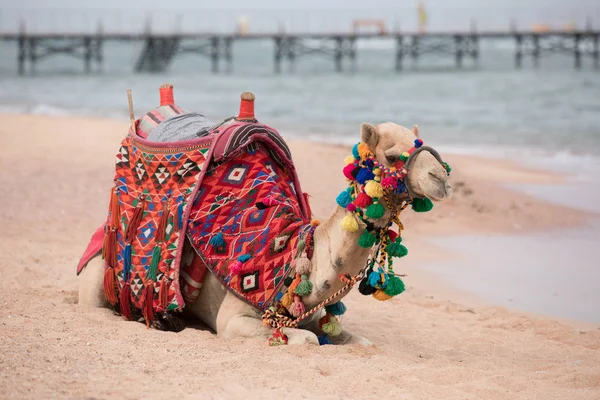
point(205, 187)
point(159, 182)
point(265, 237)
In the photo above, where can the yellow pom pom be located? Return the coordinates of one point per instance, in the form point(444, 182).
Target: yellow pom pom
point(377, 171)
point(286, 300)
point(373, 189)
point(349, 223)
point(381, 296)
point(363, 151)
point(349, 160)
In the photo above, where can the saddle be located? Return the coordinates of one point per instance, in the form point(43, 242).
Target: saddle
point(233, 191)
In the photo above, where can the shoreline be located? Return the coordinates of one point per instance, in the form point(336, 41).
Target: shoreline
point(436, 340)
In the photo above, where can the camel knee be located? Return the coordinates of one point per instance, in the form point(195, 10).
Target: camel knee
point(91, 284)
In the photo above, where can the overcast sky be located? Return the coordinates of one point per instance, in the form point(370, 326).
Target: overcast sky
point(335, 14)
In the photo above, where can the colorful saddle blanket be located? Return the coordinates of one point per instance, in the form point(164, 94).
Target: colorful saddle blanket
point(236, 194)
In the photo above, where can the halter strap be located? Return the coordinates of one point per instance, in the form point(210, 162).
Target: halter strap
point(410, 161)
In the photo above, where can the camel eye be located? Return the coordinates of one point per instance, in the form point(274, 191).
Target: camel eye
point(391, 159)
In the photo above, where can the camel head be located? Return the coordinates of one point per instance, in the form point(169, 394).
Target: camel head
point(426, 178)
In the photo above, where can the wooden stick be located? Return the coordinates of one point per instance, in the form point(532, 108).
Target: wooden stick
point(131, 117)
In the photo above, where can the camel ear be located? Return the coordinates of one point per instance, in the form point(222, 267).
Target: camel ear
point(416, 130)
point(369, 135)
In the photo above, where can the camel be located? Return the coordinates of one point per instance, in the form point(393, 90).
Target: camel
point(336, 251)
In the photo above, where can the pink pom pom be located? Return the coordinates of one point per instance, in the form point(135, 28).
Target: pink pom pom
point(236, 268)
point(348, 169)
point(389, 183)
point(351, 207)
point(297, 308)
point(392, 235)
point(269, 201)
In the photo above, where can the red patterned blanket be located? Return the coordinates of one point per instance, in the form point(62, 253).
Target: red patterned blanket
point(236, 194)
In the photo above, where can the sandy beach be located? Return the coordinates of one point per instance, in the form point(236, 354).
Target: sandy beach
point(435, 341)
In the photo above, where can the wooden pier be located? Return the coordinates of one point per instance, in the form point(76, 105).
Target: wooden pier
point(160, 50)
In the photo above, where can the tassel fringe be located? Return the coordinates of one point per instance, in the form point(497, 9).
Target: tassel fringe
point(110, 288)
point(125, 302)
point(148, 308)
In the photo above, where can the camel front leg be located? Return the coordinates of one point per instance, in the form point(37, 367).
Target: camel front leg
point(238, 319)
point(347, 337)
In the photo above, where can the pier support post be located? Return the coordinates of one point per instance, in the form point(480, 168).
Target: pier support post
point(577, 50)
point(278, 54)
point(458, 49)
point(519, 51)
point(352, 52)
point(214, 53)
point(228, 54)
point(536, 50)
point(596, 50)
point(338, 53)
point(414, 49)
point(87, 54)
point(399, 52)
point(291, 53)
point(21, 57)
point(32, 53)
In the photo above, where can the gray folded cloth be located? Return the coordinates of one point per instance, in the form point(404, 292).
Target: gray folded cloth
point(181, 127)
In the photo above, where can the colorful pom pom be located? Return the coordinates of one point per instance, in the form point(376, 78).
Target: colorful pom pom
point(343, 199)
point(367, 240)
point(418, 143)
point(297, 308)
point(374, 279)
point(349, 171)
point(381, 295)
point(404, 156)
point(349, 160)
point(363, 200)
point(389, 183)
point(401, 188)
point(373, 189)
point(392, 235)
point(355, 151)
point(349, 223)
point(236, 268)
point(303, 266)
point(363, 151)
point(375, 211)
point(330, 325)
point(338, 308)
point(244, 257)
point(395, 249)
point(395, 286)
point(217, 240)
point(365, 289)
point(324, 339)
point(351, 207)
point(364, 175)
point(422, 205)
point(447, 167)
point(304, 287)
point(286, 300)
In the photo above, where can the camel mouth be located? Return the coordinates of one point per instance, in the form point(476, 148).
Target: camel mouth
point(440, 192)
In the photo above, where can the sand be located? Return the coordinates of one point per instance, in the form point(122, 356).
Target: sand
point(432, 342)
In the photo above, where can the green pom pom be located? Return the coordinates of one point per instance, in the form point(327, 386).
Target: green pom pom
point(396, 249)
point(304, 287)
point(375, 210)
point(367, 240)
point(447, 167)
point(395, 286)
point(422, 205)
